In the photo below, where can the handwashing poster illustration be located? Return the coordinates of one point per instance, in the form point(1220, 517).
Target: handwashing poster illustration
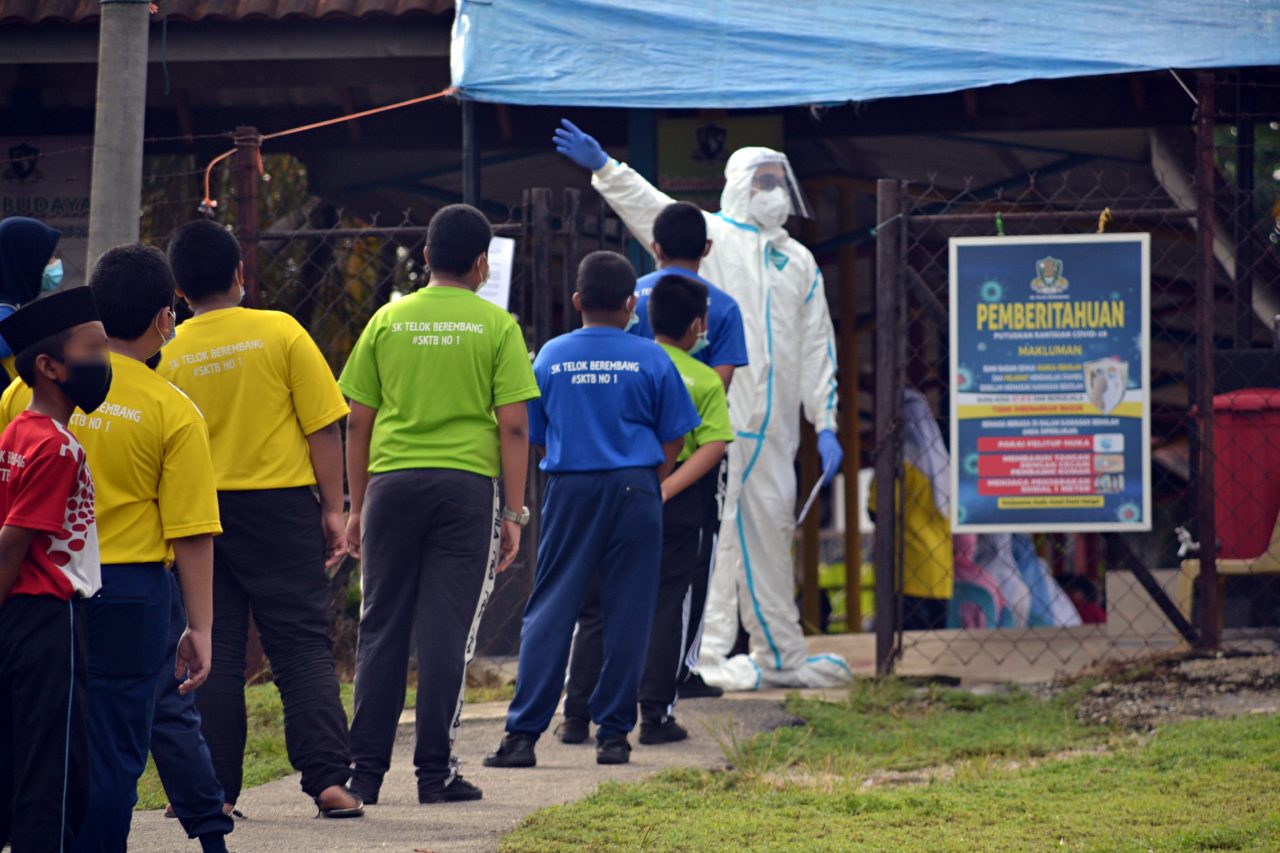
point(1050, 395)
point(1105, 382)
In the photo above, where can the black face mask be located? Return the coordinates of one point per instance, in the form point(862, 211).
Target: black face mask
point(87, 383)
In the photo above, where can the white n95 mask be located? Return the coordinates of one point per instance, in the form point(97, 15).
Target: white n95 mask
point(769, 208)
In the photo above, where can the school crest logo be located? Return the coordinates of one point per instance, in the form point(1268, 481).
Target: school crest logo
point(711, 139)
point(1049, 277)
point(24, 162)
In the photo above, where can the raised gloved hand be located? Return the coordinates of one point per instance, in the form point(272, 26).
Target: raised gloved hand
point(831, 453)
point(578, 146)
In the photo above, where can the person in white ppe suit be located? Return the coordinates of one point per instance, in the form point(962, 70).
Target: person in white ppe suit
point(791, 349)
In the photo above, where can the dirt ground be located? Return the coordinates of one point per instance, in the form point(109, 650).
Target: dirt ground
point(1136, 698)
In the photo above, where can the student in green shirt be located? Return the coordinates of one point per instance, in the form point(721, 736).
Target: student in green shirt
point(678, 316)
point(438, 383)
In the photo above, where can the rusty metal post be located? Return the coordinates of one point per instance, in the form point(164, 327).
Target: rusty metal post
point(850, 417)
point(571, 223)
point(541, 272)
point(247, 166)
point(810, 535)
point(889, 217)
point(470, 155)
point(811, 528)
point(1210, 626)
point(1245, 124)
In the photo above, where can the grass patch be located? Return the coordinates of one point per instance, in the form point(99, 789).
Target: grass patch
point(895, 724)
point(265, 757)
point(1202, 785)
point(490, 693)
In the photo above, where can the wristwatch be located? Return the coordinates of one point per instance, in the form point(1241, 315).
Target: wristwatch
point(521, 518)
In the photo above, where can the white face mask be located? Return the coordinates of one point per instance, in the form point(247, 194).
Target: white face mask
point(769, 208)
point(632, 321)
point(165, 340)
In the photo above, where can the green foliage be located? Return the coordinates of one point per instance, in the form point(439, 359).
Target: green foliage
point(331, 285)
point(1266, 163)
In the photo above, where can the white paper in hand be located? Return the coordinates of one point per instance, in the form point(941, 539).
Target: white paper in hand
point(813, 496)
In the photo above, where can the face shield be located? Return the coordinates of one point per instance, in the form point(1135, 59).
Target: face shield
point(761, 188)
point(771, 171)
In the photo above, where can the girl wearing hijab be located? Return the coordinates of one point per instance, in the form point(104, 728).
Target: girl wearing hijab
point(27, 269)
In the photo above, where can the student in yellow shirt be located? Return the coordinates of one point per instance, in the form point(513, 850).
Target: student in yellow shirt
point(148, 447)
point(273, 409)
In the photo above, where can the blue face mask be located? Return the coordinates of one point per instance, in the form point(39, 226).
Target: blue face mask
point(631, 324)
point(52, 278)
point(700, 344)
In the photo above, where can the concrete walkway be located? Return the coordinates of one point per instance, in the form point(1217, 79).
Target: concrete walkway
point(280, 817)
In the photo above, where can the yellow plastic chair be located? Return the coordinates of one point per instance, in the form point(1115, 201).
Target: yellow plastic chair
point(1266, 563)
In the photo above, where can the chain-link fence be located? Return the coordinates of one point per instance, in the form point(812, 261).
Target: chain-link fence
point(1210, 201)
point(332, 270)
point(1018, 596)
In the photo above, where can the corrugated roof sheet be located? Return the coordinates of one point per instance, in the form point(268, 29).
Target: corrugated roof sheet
point(86, 11)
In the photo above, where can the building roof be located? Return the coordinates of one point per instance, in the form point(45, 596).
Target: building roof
point(190, 11)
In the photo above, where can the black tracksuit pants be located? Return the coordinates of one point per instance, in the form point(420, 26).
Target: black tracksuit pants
point(44, 749)
point(269, 560)
point(430, 552)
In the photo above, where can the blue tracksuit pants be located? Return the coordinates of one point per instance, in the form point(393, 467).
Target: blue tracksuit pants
point(605, 523)
point(178, 747)
point(128, 626)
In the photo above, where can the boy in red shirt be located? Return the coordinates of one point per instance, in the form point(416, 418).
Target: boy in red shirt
point(48, 563)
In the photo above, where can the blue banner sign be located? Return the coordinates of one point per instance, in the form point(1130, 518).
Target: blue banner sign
point(1050, 390)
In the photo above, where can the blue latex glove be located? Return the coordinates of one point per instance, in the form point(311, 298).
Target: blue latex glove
point(578, 146)
point(832, 455)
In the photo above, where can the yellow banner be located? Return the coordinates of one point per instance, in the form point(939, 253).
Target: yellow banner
point(1040, 410)
point(1052, 502)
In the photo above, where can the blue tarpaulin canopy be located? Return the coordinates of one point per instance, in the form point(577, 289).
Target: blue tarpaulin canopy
point(769, 53)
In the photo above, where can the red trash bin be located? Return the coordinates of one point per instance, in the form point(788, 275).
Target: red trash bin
point(1246, 473)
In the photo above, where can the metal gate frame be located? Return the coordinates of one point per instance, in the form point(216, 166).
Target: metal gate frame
point(895, 278)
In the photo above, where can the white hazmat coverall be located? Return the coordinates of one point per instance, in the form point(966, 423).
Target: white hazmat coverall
point(791, 348)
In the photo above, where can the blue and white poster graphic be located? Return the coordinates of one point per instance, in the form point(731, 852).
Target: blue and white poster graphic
point(1050, 389)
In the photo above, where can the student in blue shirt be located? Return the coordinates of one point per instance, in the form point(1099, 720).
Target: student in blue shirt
point(680, 243)
point(678, 314)
point(612, 419)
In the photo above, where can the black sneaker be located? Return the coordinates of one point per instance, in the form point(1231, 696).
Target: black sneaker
point(574, 730)
point(694, 687)
point(615, 750)
point(514, 751)
point(458, 790)
point(667, 731)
